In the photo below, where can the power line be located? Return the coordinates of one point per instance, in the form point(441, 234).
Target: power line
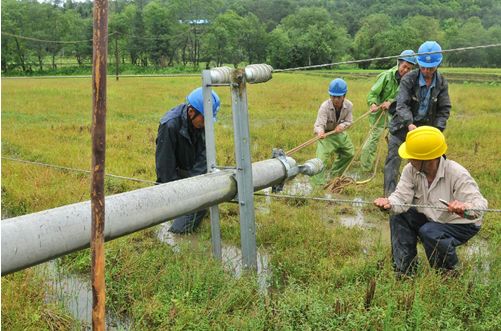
point(76, 170)
point(89, 76)
point(46, 41)
point(383, 58)
point(50, 41)
point(355, 202)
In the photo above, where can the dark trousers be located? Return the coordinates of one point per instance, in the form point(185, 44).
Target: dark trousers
point(187, 223)
point(392, 163)
point(439, 241)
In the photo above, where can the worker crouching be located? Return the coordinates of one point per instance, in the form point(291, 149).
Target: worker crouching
point(180, 149)
point(428, 178)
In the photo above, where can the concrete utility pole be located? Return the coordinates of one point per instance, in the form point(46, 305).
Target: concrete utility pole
point(35, 238)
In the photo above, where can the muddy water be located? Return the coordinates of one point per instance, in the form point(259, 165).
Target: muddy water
point(75, 294)
point(231, 255)
point(476, 251)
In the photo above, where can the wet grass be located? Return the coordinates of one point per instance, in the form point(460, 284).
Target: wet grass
point(323, 275)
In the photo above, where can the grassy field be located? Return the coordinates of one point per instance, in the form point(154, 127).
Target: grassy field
point(323, 275)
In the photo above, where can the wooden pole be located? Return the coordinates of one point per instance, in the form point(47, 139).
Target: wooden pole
point(99, 60)
point(117, 59)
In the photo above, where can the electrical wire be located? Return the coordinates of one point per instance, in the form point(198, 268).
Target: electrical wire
point(316, 66)
point(356, 202)
point(76, 170)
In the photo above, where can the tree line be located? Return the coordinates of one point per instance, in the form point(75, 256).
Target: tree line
point(283, 33)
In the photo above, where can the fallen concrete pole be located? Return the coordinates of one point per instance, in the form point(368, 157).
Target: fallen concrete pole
point(35, 238)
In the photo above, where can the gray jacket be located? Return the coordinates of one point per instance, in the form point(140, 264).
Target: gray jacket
point(452, 182)
point(408, 104)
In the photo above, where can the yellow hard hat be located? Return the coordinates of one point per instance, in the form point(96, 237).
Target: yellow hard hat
point(423, 143)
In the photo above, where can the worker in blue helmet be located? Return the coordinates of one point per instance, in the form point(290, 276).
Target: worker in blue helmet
point(180, 149)
point(335, 114)
point(380, 99)
point(423, 99)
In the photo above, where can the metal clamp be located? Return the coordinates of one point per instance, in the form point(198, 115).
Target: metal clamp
point(289, 171)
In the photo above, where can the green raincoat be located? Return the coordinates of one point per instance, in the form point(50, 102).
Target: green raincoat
point(385, 89)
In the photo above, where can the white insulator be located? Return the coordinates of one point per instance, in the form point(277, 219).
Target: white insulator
point(311, 167)
point(220, 75)
point(258, 73)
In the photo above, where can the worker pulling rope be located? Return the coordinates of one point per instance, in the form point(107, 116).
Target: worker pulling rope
point(339, 183)
point(314, 139)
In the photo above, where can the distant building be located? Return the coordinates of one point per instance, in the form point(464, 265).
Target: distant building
point(195, 22)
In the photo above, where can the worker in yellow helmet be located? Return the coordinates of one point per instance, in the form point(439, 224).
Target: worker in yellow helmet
point(429, 179)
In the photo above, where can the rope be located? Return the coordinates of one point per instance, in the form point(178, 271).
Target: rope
point(378, 150)
point(76, 170)
point(339, 183)
point(357, 202)
point(383, 58)
point(312, 140)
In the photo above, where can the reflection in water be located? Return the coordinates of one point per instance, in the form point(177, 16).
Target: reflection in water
point(358, 220)
point(231, 255)
point(75, 294)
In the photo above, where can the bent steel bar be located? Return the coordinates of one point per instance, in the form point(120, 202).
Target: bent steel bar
point(35, 238)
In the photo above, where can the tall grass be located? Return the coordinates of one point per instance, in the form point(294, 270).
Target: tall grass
point(323, 275)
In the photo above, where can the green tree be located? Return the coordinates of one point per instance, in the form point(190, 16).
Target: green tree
point(157, 21)
point(14, 21)
point(79, 29)
point(471, 33)
point(370, 39)
point(224, 39)
point(254, 39)
point(494, 54)
point(425, 28)
point(314, 37)
point(280, 49)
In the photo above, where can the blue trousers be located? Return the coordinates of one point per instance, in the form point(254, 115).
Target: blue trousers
point(187, 223)
point(392, 163)
point(439, 241)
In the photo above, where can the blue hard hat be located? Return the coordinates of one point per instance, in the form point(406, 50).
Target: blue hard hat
point(408, 56)
point(429, 60)
point(196, 100)
point(338, 87)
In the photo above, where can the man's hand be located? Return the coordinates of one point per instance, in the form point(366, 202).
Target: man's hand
point(385, 105)
point(374, 108)
point(382, 203)
point(457, 207)
point(411, 127)
point(339, 128)
point(321, 134)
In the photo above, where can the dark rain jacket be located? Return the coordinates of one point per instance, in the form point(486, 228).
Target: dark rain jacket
point(180, 151)
point(408, 104)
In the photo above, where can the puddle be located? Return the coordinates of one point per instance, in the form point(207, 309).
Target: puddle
point(262, 206)
point(231, 255)
point(356, 221)
point(75, 294)
point(300, 185)
point(477, 251)
point(359, 220)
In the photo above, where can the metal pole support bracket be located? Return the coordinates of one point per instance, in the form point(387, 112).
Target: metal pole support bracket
point(291, 171)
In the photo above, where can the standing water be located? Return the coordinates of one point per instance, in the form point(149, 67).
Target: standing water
point(231, 255)
point(74, 292)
